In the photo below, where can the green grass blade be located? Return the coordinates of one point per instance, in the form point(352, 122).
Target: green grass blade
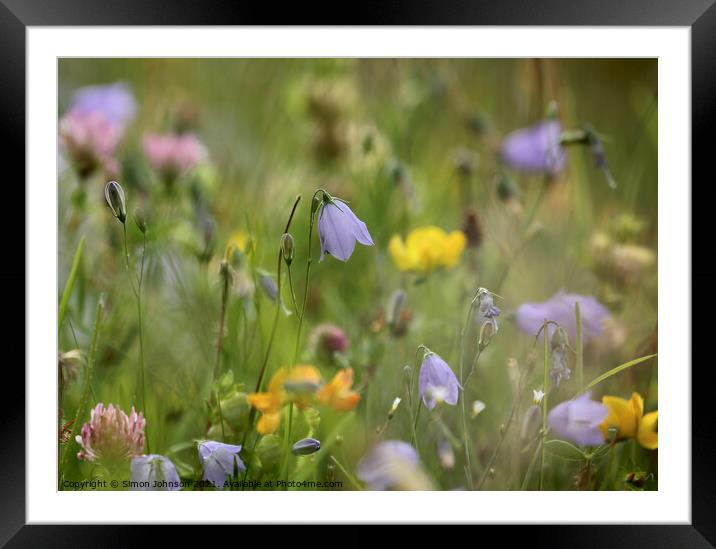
point(616, 370)
point(70, 283)
point(81, 409)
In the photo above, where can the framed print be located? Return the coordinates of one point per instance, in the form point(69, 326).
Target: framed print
point(361, 274)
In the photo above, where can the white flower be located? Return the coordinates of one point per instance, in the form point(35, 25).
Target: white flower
point(477, 407)
point(537, 396)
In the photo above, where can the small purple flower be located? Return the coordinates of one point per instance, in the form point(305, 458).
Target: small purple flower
point(487, 310)
point(158, 472)
point(114, 101)
point(437, 382)
point(560, 307)
point(339, 229)
point(535, 149)
point(578, 420)
point(388, 464)
point(219, 460)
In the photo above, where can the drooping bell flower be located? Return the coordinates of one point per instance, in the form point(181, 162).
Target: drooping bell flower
point(627, 417)
point(219, 460)
point(111, 436)
point(393, 464)
point(536, 149)
point(426, 249)
point(338, 393)
point(154, 472)
point(339, 229)
point(579, 420)
point(437, 382)
point(530, 317)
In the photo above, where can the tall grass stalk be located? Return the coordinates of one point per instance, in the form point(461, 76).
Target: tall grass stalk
point(138, 297)
point(580, 348)
point(89, 370)
point(463, 408)
point(545, 335)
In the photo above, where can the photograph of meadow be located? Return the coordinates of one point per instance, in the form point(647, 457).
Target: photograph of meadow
point(357, 274)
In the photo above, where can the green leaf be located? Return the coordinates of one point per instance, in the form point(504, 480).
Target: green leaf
point(70, 283)
point(616, 370)
point(564, 450)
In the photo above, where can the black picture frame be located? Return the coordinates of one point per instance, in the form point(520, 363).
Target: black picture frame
point(699, 15)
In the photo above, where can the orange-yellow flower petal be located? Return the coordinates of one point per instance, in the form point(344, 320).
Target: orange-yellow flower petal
point(624, 415)
point(301, 383)
point(338, 393)
point(648, 435)
point(269, 403)
point(268, 423)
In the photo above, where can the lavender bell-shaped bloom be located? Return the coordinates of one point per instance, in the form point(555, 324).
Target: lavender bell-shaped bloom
point(578, 420)
point(535, 149)
point(219, 461)
point(339, 229)
point(560, 307)
point(437, 382)
point(389, 464)
point(154, 472)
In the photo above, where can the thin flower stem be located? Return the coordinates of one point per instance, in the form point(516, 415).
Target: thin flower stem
point(466, 445)
point(308, 275)
point(503, 435)
point(530, 467)
point(544, 404)
point(138, 296)
point(580, 348)
point(415, 424)
point(219, 341)
point(608, 469)
point(530, 218)
point(301, 314)
point(349, 476)
point(262, 371)
point(293, 293)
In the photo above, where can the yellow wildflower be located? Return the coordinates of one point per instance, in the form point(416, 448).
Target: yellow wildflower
point(426, 249)
point(241, 241)
point(648, 434)
point(338, 393)
point(627, 417)
point(297, 385)
point(270, 404)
